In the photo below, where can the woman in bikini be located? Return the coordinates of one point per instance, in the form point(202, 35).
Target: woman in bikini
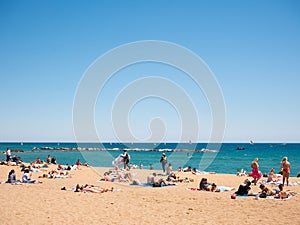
point(285, 169)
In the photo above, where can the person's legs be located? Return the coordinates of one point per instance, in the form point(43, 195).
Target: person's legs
point(283, 179)
point(255, 181)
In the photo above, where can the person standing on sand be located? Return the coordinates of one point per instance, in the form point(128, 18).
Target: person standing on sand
point(163, 161)
point(286, 170)
point(256, 174)
point(48, 159)
point(8, 154)
point(126, 158)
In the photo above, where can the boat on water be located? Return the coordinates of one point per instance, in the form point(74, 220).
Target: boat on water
point(240, 148)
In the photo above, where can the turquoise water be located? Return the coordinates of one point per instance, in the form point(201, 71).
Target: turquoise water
point(226, 160)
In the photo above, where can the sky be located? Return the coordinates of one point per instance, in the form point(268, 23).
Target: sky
point(251, 47)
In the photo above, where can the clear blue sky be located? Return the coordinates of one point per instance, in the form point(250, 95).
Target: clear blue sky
point(252, 47)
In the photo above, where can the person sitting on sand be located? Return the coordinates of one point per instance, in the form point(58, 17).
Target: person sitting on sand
point(256, 174)
point(53, 160)
point(298, 174)
point(12, 177)
point(271, 175)
point(244, 188)
point(150, 178)
point(194, 171)
point(26, 178)
point(203, 186)
point(78, 163)
point(38, 160)
point(285, 169)
point(188, 169)
point(241, 173)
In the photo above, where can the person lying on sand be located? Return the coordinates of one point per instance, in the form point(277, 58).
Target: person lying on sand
point(265, 191)
point(90, 188)
point(282, 194)
point(119, 177)
point(174, 178)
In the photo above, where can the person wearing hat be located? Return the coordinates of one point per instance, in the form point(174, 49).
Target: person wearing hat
point(163, 161)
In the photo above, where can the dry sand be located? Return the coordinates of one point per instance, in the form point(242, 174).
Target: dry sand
point(46, 204)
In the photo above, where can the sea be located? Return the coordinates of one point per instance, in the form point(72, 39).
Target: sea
point(225, 158)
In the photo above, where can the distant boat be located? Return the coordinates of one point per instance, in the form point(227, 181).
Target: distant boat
point(240, 148)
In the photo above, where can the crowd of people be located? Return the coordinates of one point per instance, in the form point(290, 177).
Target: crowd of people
point(284, 172)
point(36, 166)
point(125, 175)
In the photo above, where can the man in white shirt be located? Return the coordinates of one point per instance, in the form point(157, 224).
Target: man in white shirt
point(8, 154)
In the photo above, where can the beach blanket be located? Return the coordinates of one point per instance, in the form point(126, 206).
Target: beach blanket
point(16, 183)
point(279, 199)
point(219, 188)
point(278, 182)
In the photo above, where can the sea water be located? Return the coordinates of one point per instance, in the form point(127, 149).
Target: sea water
point(227, 159)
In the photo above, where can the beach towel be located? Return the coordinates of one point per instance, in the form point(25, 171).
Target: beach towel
point(278, 182)
point(16, 183)
point(220, 188)
point(279, 199)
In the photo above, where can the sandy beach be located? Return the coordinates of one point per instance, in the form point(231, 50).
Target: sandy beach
point(46, 203)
